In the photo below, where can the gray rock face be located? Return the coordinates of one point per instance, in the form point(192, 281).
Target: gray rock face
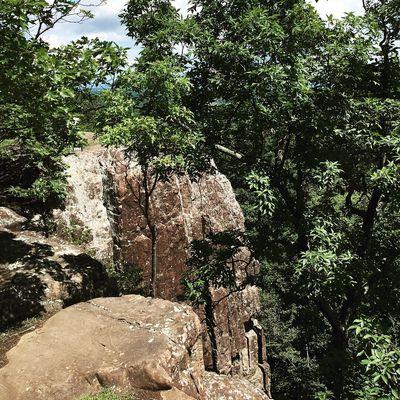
point(222, 387)
point(39, 274)
point(86, 215)
point(149, 348)
point(9, 219)
point(103, 189)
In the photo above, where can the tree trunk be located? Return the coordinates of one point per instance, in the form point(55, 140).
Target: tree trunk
point(336, 360)
point(148, 188)
point(210, 323)
point(153, 232)
point(339, 363)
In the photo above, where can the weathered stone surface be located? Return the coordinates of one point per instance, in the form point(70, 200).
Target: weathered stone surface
point(131, 343)
point(103, 190)
point(150, 348)
point(222, 387)
point(39, 274)
point(85, 213)
point(9, 219)
point(184, 210)
point(240, 345)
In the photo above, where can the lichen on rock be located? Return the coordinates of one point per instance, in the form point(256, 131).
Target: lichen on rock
point(149, 348)
point(101, 195)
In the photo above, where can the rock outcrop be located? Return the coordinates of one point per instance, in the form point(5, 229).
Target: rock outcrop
point(222, 387)
point(9, 219)
point(183, 209)
point(86, 211)
point(150, 348)
point(39, 275)
point(103, 201)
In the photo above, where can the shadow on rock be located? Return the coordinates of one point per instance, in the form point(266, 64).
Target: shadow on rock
point(20, 298)
point(12, 249)
point(93, 275)
point(39, 275)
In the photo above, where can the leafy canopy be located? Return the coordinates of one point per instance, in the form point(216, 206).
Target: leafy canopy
point(40, 92)
point(312, 107)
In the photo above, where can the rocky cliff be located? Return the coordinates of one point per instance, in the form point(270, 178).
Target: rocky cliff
point(148, 348)
point(41, 275)
point(102, 206)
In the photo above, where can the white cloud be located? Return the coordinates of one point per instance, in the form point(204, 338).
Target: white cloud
point(337, 7)
point(181, 5)
point(105, 22)
point(111, 7)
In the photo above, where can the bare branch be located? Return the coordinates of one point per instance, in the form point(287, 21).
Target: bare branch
point(230, 152)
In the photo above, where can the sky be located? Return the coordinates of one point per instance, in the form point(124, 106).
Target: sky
point(106, 24)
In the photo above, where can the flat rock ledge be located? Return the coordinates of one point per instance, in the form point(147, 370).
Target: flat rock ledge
point(150, 348)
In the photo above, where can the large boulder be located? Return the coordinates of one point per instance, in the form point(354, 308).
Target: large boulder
point(40, 275)
point(103, 193)
point(150, 348)
point(183, 209)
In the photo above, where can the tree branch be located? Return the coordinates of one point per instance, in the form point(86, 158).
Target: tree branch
point(230, 152)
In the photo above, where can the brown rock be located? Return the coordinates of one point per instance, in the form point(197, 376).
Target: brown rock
point(150, 348)
point(184, 210)
point(220, 387)
point(131, 343)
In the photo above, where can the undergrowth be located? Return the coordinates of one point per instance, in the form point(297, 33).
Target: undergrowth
point(108, 394)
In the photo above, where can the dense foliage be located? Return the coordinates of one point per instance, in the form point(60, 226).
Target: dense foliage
point(302, 114)
point(41, 89)
point(312, 108)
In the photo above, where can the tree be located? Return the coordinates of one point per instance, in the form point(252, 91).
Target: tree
point(145, 116)
point(39, 93)
point(381, 358)
point(312, 107)
point(146, 113)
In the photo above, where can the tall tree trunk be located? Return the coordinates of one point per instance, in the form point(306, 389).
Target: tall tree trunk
point(338, 362)
point(211, 325)
point(153, 233)
point(148, 188)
